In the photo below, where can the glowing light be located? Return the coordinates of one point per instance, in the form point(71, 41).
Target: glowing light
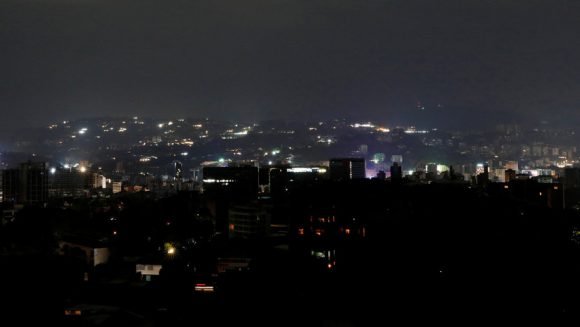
point(66, 166)
point(365, 125)
point(306, 170)
point(72, 312)
point(171, 250)
point(221, 160)
point(203, 288)
point(83, 169)
point(53, 170)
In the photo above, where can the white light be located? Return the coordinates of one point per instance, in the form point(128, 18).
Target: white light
point(53, 170)
point(300, 170)
point(269, 162)
point(66, 166)
point(160, 125)
point(83, 169)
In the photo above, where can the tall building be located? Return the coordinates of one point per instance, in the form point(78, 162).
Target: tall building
point(248, 222)
point(513, 165)
point(510, 175)
point(68, 182)
point(241, 180)
point(27, 185)
point(396, 172)
point(342, 169)
point(432, 168)
point(398, 158)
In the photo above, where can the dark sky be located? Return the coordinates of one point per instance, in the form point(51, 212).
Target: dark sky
point(257, 59)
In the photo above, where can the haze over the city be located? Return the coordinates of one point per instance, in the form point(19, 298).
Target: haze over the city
point(449, 62)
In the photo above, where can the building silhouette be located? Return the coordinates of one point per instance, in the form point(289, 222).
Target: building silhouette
point(396, 172)
point(27, 184)
point(342, 169)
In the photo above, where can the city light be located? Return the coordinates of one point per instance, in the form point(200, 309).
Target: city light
point(203, 288)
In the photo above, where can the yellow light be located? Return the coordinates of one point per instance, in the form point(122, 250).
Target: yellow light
point(171, 251)
point(83, 169)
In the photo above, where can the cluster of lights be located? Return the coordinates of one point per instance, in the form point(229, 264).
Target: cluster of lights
point(364, 125)
point(220, 181)
point(414, 131)
point(318, 170)
point(147, 158)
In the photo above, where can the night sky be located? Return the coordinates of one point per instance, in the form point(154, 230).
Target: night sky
point(465, 61)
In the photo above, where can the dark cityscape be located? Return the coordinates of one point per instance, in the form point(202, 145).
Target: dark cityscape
point(331, 163)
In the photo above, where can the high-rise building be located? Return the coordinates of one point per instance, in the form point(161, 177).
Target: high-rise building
point(432, 168)
point(510, 175)
point(69, 182)
point(241, 180)
point(398, 158)
point(28, 184)
point(572, 177)
point(513, 165)
point(396, 172)
point(248, 222)
point(342, 169)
